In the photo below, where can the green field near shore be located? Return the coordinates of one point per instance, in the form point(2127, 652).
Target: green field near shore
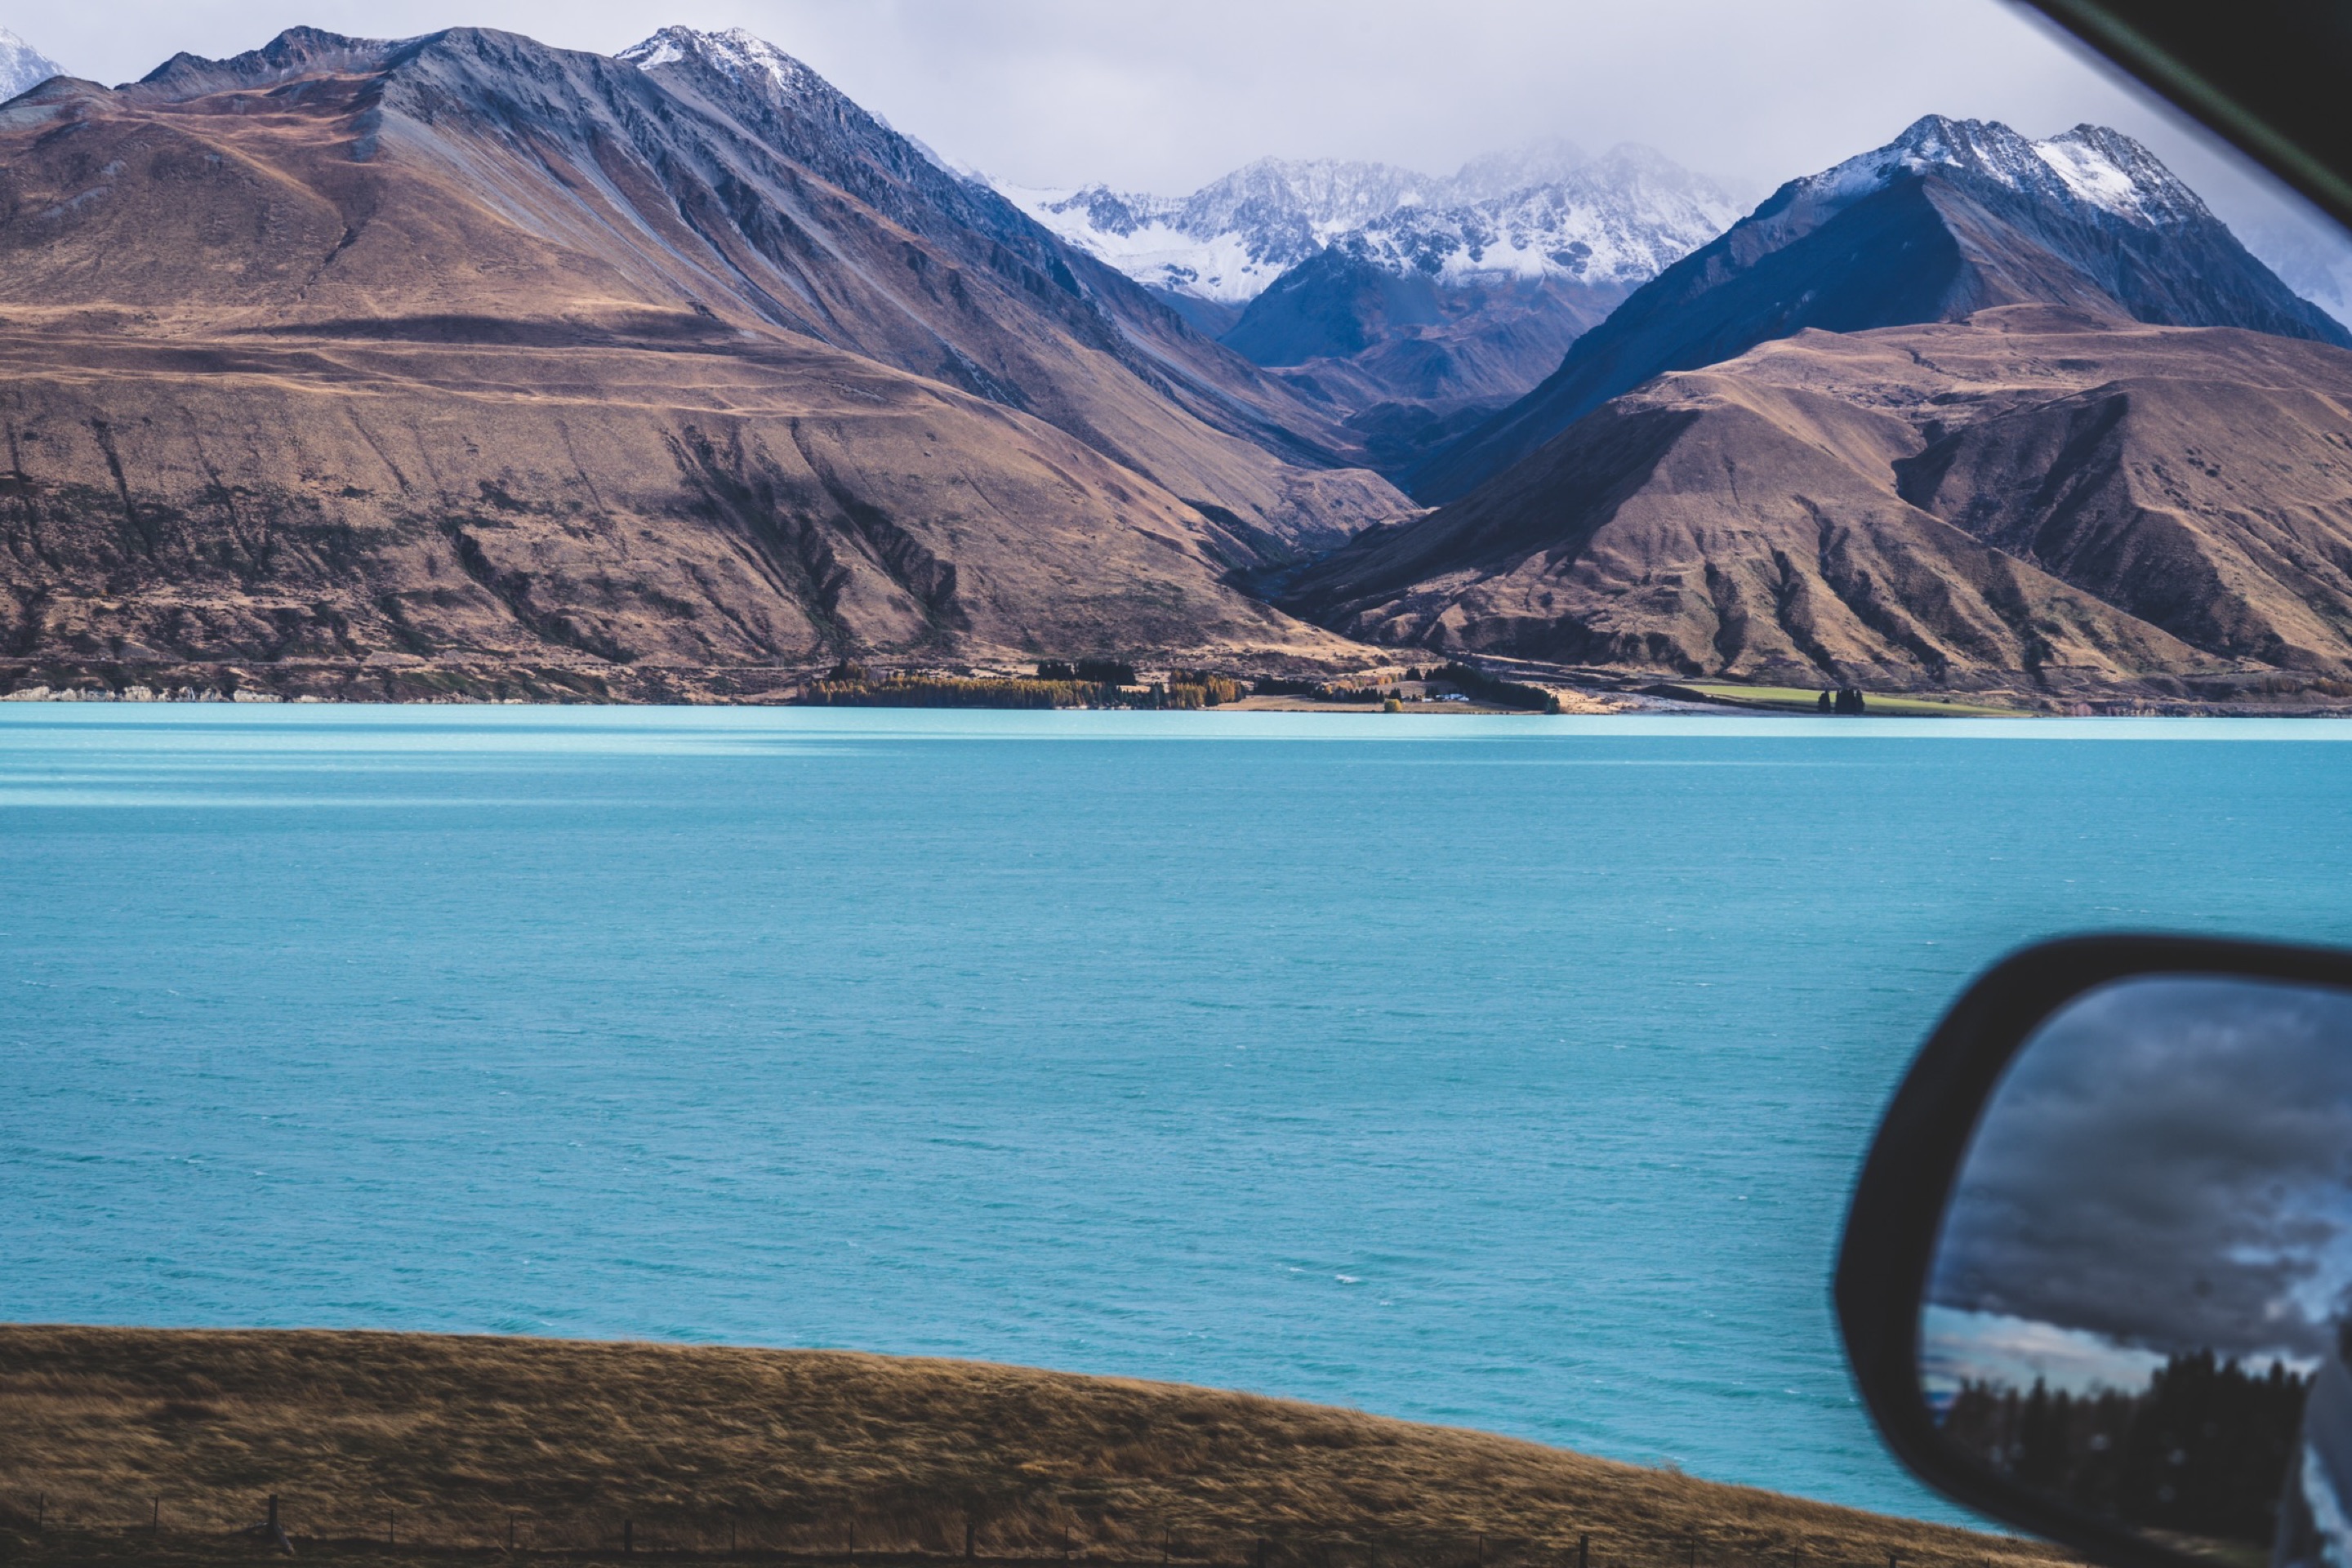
point(1794, 698)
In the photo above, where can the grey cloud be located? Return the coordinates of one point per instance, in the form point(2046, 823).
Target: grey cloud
point(2168, 1163)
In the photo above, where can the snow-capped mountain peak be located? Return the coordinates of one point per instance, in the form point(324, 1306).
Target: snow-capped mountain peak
point(744, 56)
point(2089, 166)
point(23, 67)
point(1546, 209)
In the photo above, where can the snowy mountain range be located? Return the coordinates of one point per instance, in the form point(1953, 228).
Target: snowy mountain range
point(1412, 305)
point(1543, 210)
point(23, 66)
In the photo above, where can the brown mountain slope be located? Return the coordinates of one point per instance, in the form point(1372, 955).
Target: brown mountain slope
point(537, 272)
point(2218, 508)
point(2027, 500)
point(813, 1450)
point(632, 517)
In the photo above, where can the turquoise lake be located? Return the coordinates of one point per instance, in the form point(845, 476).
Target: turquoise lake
point(1504, 1072)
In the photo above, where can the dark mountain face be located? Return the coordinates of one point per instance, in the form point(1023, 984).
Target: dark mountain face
point(1347, 330)
point(675, 357)
point(1333, 305)
point(1407, 361)
point(1950, 218)
point(1210, 318)
point(2033, 501)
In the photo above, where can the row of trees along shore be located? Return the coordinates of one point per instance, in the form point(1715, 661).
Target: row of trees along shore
point(2202, 1449)
point(1112, 683)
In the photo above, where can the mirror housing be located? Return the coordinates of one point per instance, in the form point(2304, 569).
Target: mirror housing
point(1896, 1222)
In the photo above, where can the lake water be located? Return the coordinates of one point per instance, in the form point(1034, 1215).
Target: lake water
point(1508, 1072)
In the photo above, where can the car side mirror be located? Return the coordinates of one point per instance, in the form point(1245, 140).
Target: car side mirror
point(2096, 1280)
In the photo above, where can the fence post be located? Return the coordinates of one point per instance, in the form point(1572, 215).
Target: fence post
point(155, 1518)
point(970, 1539)
point(628, 1536)
point(1482, 1550)
point(1584, 1551)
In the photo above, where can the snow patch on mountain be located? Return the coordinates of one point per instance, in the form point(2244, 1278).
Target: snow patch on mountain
point(1544, 210)
point(23, 67)
point(745, 56)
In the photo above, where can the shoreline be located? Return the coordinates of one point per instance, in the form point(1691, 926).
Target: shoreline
point(1569, 689)
point(1647, 702)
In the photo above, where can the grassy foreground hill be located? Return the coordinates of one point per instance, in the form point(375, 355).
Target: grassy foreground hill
point(152, 1446)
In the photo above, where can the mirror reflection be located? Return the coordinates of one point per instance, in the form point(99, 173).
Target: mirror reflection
point(2141, 1302)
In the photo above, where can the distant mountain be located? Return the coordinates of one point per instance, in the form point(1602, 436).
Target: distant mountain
point(465, 356)
point(23, 67)
point(1405, 303)
point(1542, 211)
point(1230, 239)
point(1430, 312)
point(1951, 217)
point(1404, 358)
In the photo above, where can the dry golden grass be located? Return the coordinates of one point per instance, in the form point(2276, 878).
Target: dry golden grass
point(447, 1438)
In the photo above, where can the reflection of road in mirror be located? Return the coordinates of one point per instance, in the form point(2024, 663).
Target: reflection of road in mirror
point(2141, 1276)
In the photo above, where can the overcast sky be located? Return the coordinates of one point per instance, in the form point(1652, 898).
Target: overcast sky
point(1163, 98)
point(2168, 1164)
